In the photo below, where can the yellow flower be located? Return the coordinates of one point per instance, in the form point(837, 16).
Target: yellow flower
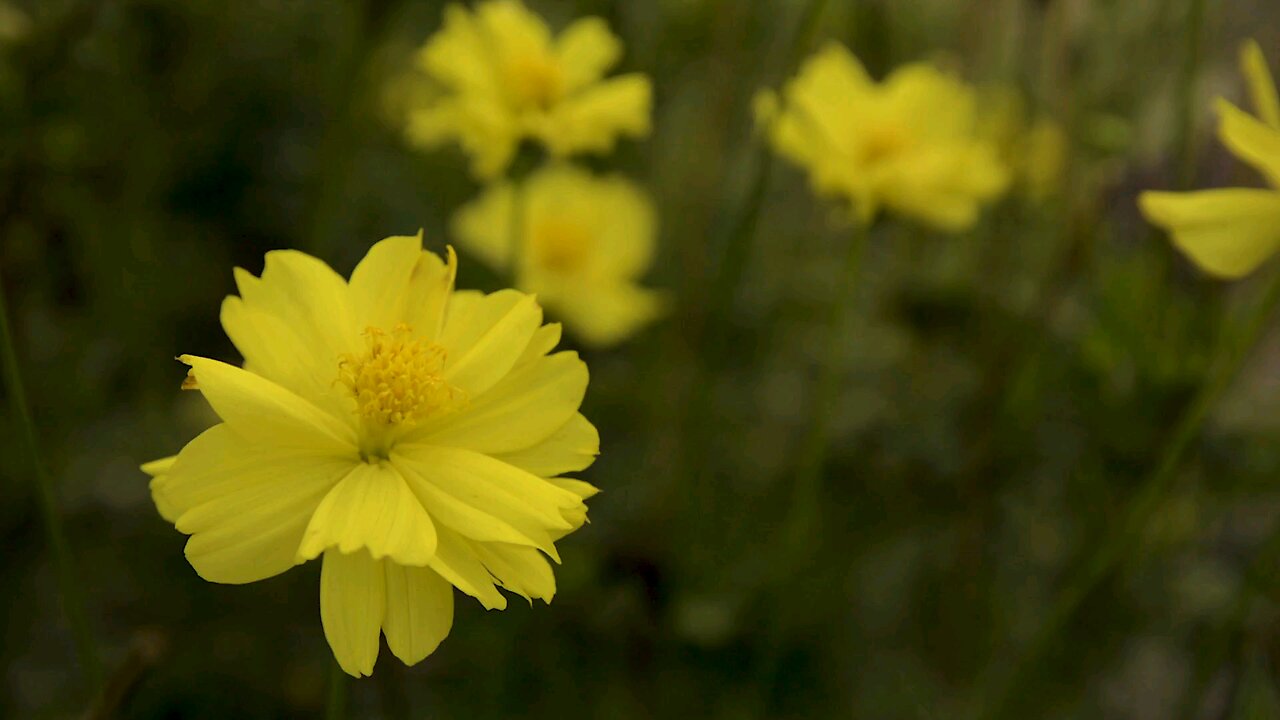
point(583, 242)
point(1230, 232)
point(1035, 152)
point(498, 76)
point(909, 144)
point(410, 434)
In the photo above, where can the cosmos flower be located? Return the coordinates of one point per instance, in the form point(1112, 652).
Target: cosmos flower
point(411, 435)
point(579, 242)
point(1229, 232)
point(908, 144)
point(496, 75)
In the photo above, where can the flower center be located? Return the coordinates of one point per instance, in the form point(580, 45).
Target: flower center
point(396, 380)
point(534, 80)
point(882, 142)
point(560, 246)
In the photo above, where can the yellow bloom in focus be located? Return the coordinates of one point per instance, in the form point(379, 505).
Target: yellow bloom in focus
point(579, 242)
point(412, 435)
point(1230, 232)
point(909, 144)
point(497, 76)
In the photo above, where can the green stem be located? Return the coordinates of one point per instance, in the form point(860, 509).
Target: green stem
point(804, 513)
point(336, 706)
point(1231, 356)
point(72, 599)
point(1185, 140)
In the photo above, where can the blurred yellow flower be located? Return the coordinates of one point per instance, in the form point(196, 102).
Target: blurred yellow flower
point(909, 144)
point(496, 76)
point(579, 242)
point(1035, 151)
point(1230, 232)
point(411, 434)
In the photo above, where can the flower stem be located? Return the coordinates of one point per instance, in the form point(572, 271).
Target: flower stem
point(1111, 552)
point(804, 513)
point(336, 706)
point(1186, 98)
point(55, 534)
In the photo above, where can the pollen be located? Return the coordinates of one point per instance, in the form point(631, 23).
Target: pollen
point(882, 143)
point(560, 246)
point(534, 80)
point(397, 379)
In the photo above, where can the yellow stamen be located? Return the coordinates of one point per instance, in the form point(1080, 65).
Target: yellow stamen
point(397, 380)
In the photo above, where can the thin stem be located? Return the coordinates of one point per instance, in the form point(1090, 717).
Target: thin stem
point(1185, 140)
point(1231, 356)
point(336, 706)
point(72, 597)
point(804, 514)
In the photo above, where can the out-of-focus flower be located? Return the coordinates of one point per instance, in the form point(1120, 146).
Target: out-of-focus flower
point(14, 24)
point(1230, 232)
point(1035, 151)
point(496, 76)
point(411, 434)
point(578, 241)
point(908, 144)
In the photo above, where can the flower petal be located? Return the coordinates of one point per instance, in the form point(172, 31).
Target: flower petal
point(307, 296)
point(527, 406)
point(522, 570)
point(419, 611)
point(353, 603)
point(459, 564)
point(380, 283)
point(257, 407)
point(484, 226)
point(485, 338)
point(593, 119)
point(474, 521)
point(586, 50)
point(1226, 232)
point(605, 314)
point(525, 503)
point(571, 448)
point(1251, 140)
point(1262, 89)
point(371, 508)
point(244, 503)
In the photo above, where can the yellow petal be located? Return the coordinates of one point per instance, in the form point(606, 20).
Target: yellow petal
point(605, 314)
point(1227, 233)
point(470, 517)
point(1262, 89)
point(526, 407)
point(372, 508)
point(380, 283)
point(459, 55)
point(419, 611)
point(522, 570)
point(485, 227)
point(458, 563)
point(571, 448)
point(244, 503)
point(307, 296)
point(353, 603)
point(525, 503)
point(159, 467)
point(542, 342)
point(586, 50)
point(430, 288)
point(1250, 140)
point(593, 120)
point(257, 407)
point(485, 338)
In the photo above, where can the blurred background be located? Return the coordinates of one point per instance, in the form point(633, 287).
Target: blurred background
point(1003, 394)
